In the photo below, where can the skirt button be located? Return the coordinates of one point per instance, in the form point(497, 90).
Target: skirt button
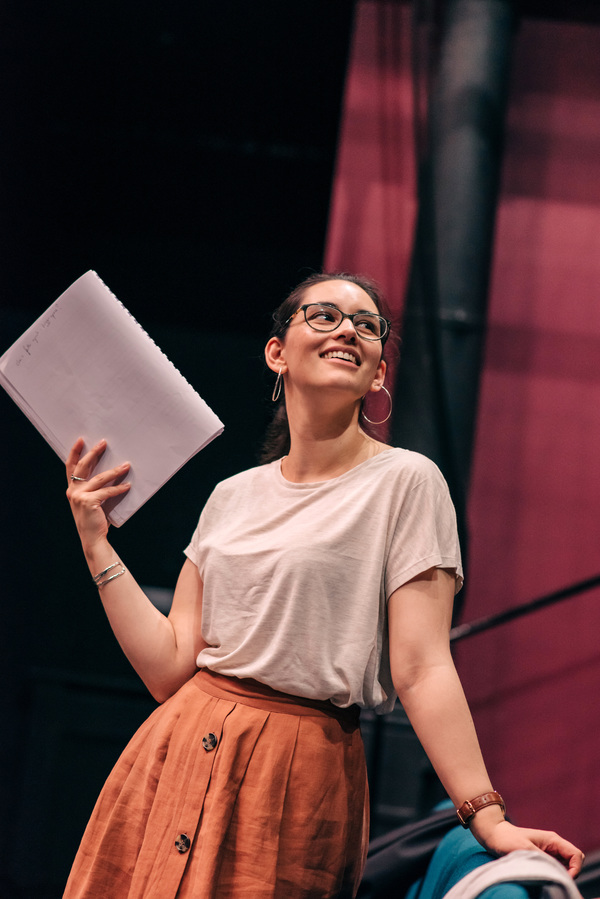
point(182, 842)
point(209, 741)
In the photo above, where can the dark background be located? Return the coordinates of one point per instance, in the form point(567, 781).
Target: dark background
point(184, 151)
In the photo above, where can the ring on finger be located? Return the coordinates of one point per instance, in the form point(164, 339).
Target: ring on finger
point(75, 478)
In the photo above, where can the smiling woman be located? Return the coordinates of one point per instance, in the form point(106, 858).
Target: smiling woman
point(327, 316)
point(308, 593)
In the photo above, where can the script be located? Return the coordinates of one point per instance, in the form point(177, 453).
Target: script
point(86, 368)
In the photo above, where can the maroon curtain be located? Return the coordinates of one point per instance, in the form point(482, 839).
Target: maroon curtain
point(373, 205)
point(535, 498)
point(535, 494)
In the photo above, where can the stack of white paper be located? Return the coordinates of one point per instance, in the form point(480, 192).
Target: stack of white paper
point(86, 368)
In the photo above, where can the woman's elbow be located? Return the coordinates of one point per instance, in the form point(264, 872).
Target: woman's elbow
point(161, 690)
point(411, 675)
point(405, 678)
point(159, 694)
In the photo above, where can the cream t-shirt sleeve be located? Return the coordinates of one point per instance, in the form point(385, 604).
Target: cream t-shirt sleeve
point(424, 532)
point(192, 550)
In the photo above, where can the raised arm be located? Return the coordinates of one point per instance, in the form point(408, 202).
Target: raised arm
point(430, 691)
point(162, 650)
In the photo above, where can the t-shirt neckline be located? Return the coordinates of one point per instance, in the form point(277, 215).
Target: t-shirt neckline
point(312, 484)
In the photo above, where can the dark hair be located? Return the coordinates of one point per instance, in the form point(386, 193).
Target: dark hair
point(277, 438)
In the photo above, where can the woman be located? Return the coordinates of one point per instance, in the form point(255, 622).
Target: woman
point(315, 584)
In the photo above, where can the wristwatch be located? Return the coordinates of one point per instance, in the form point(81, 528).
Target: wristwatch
point(470, 808)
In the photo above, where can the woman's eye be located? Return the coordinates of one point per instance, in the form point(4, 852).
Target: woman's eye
point(366, 324)
point(321, 315)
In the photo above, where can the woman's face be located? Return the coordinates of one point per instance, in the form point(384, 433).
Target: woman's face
point(339, 359)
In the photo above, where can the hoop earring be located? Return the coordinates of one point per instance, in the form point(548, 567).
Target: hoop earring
point(277, 388)
point(383, 420)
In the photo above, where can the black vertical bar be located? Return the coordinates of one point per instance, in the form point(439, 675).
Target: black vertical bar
point(437, 385)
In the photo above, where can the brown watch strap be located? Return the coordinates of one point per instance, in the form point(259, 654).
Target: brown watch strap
point(469, 808)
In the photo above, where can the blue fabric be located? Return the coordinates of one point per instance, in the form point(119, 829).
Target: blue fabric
point(457, 854)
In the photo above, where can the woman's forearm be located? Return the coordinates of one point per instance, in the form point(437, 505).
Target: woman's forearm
point(162, 650)
point(428, 686)
point(145, 635)
point(437, 709)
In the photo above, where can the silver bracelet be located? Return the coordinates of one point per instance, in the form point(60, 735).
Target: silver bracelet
point(113, 576)
point(98, 577)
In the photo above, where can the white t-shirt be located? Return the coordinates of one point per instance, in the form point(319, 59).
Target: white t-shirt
point(297, 576)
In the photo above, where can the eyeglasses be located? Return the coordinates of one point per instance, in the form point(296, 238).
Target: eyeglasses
point(327, 317)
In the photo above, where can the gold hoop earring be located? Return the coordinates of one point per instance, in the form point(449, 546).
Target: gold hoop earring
point(277, 389)
point(383, 420)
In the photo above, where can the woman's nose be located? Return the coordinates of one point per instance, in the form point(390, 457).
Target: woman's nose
point(347, 329)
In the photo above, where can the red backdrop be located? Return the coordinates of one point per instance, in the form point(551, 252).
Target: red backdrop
point(535, 490)
point(374, 206)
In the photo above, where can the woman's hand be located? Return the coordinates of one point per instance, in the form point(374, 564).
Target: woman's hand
point(504, 837)
point(86, 496)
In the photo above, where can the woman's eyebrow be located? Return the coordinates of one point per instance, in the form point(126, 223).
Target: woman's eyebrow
point(358, 311)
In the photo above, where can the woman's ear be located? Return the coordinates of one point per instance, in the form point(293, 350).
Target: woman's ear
point(379, 378)
point(275, 355)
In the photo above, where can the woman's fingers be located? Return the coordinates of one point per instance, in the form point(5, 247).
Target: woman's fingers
point(505, 837)
point(105, 477)
point(98, 485)
point(91, 498)
point(80, 475)
point(562, 849)
point(88, 462)
point(88, 491)
point(559, 848)
point(79, 466)
point(74, 456)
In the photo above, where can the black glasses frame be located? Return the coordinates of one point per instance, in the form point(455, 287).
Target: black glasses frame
point(385, 324)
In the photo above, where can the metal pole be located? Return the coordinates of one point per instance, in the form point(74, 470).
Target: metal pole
point(438, 378)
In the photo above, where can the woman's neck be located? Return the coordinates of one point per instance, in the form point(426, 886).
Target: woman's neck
point(323, 448)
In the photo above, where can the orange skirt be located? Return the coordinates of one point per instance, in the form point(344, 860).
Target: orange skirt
point(231, 789)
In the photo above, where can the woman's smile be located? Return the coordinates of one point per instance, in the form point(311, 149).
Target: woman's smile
point(347, 355)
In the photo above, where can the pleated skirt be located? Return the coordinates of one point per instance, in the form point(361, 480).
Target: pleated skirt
point(230, 790)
